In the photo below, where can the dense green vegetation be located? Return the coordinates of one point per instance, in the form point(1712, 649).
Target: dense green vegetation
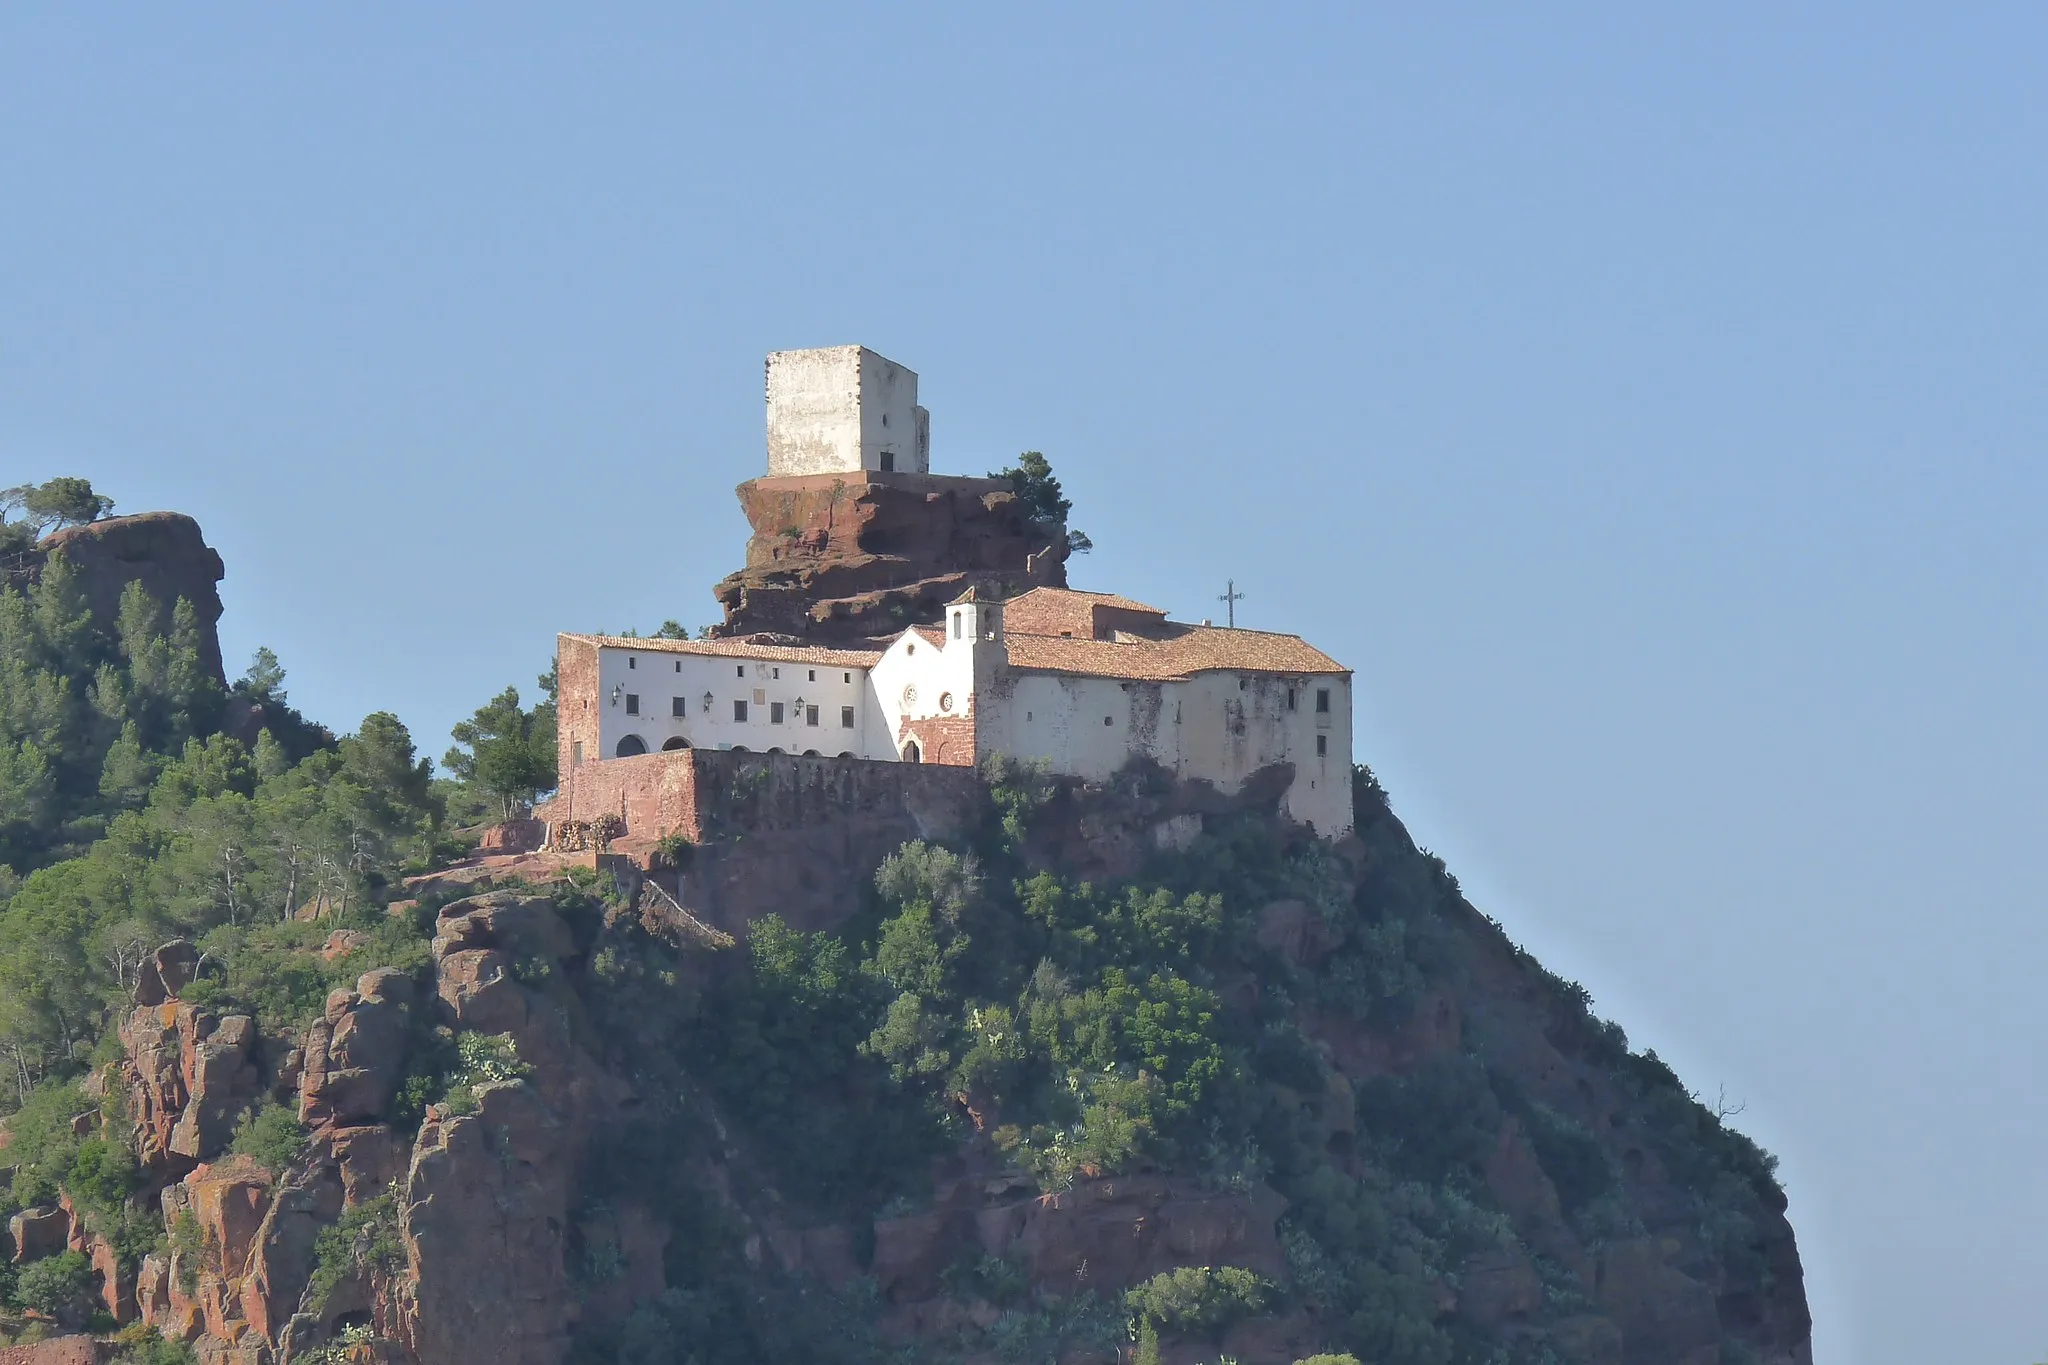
point(1101, 1029)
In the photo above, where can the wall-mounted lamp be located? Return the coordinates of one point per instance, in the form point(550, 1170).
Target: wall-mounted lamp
point(799, 706)
point(707, 701)
point(618, 690)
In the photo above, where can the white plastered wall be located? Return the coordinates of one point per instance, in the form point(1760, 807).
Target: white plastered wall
point(656, 678)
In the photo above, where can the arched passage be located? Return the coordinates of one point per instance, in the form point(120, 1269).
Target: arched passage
point(629, 746)
point(678, 742)
point(912, 754)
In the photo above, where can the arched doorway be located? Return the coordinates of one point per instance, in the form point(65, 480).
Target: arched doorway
point(810, 753)
point(774, 751)
point(912, 754)
point(678, 742)
point(630, 746)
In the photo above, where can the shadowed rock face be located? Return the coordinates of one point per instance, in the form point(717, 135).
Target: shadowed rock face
point(845, 557)
point(164, 551)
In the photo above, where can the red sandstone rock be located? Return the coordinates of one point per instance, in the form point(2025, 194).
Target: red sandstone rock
point(164, 551)
point(355, 1055)
point(488, 1203)
point(58, 1351)
point(842, 557)
point(513, 836)
point(39, 1232)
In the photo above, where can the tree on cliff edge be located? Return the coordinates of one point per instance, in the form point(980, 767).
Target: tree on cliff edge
point(45, 507)
point(1032, 481)
point(510, 751)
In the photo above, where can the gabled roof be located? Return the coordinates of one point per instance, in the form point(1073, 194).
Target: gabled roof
point(1172, 653)
point(1080, 598)
point(738, 649)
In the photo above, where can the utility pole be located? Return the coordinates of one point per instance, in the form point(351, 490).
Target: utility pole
point(1230, 598)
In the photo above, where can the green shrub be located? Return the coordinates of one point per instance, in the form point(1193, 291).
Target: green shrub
point(60, 1287)
point(272, 1135)
point(1199, 1299)
point(365, 1238)
point(1326, 1359)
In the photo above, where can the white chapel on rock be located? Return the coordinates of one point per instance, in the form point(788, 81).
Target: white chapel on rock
point(1083, 681)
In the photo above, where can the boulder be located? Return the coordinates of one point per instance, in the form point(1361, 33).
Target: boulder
point(355, 1054)
point(521, 927)
point(166, 972)
point(39, 1232)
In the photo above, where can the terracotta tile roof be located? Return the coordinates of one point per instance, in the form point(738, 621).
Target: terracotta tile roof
point(739, 649)
point(1175, 652)
point(1098, 599)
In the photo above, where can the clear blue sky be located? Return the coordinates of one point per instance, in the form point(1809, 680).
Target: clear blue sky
point(1649, 406)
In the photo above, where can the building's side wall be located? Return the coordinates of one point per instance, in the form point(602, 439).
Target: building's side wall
point(657, 678)
point(814, 419)
point(1208, 727)
point(889, 420)
point(576, 715)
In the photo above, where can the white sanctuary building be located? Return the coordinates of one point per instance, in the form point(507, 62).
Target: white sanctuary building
point(1083, 681)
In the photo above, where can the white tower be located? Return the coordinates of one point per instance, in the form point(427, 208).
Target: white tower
point(844, 409)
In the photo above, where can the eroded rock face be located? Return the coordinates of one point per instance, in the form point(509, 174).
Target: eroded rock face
point(164, 551)
point(189, 1074)
point(487, 1204)
point(354, 1056)
point(843, 557)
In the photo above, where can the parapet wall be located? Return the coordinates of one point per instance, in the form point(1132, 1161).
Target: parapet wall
point(709, 793)
point(775, 833)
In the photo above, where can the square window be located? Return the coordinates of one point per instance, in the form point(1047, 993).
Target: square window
point(1106, 720)
point(739, 710)
point(1322, 746)
point(810, 715)
point(678, 706)
point(1322, 701)
point(775, 714)
point(846, 717)
point(632, 703)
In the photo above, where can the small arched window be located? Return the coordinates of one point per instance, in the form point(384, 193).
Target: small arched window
point(956, 623)
point(630, 746)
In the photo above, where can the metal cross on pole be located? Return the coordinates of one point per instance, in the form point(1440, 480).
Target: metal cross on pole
point(1230, 598)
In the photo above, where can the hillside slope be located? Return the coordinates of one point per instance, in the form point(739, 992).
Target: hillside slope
point(1129, 1072)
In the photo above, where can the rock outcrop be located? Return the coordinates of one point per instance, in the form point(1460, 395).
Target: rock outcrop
point(164, 551)
point(840, 557)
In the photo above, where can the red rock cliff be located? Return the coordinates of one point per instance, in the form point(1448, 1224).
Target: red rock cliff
point(848, 556)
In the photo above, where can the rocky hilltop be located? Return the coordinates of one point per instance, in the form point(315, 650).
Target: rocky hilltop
point(164, 551)
point(519, 1138)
